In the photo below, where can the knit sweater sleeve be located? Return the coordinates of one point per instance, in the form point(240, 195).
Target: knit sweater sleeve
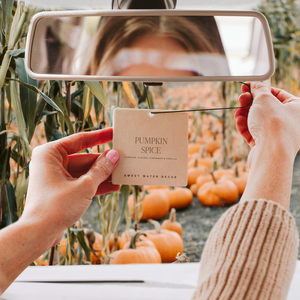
point(251, 253)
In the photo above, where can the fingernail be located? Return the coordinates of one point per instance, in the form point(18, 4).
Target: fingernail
point(112, 156)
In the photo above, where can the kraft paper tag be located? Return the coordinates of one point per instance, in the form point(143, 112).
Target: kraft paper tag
point(153, 148)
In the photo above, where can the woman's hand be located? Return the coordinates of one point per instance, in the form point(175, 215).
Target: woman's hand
point(270, 125)
point(63, 183)
point(61, 187)
point(273, 118)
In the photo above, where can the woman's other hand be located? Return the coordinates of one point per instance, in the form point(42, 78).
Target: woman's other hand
point(63, 183)
point(273, 118)
point(270, 125)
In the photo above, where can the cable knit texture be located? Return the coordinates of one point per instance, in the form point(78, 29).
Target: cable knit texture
point(251, 253)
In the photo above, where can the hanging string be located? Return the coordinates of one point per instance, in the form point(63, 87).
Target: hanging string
point(200, 109)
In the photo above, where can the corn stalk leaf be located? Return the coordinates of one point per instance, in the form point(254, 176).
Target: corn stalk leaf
point(60, 101)
point(16, 138)
point(10, 207)
point(127, 91)
point(97, 107)
point(7, 6)
point(16, 103)
point(17, 53)
point(77, 93)
point(124, 192)
point(82, 241)
point(127, 217)
point(97, 90)
point(1, 24)
point(17, 25)
point(4, 164)
point(35, 89)
point(29, 97)
point(21, 190)
point(86, 102)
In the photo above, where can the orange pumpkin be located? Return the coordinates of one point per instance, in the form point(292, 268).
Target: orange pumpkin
point(194, 172)
point(136, 255)
point(171, 224)
point(179, 198)
point(168, 243)
point(201, 158)
point(218, 174)
point(194, 148)
point(213, 145)
point(125, 237)
point(206, 161)
point(239, 180)
point(194, 188)
point(199, 140)
point(215, 193)
point(154, 187)
point(142, 241)
point(41, 262)
point(203, 179)
point(155, 205)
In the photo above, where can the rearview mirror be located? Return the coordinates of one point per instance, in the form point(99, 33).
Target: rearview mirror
point(150, 46)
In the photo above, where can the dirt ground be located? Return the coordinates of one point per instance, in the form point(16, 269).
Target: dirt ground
point(198, 220)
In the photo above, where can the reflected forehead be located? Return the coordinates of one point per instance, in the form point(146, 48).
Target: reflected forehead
point(152, 41)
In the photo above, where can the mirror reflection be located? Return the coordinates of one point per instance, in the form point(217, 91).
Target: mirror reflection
point(168, 46)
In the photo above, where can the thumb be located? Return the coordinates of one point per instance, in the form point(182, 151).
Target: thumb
point(101, 169)
point(260, 87)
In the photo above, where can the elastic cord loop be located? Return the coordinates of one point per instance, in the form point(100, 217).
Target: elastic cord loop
point(201, 109)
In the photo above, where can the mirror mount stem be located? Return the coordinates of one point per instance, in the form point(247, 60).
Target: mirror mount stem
point(153, 83)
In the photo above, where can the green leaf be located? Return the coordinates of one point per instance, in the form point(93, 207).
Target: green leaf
point(124, 191)
point(17, 53)
point(48, 113)
point(10, 205)
point(48, 129)
point(21, 190)
point(4, 164)
point(1, 24)
point(60, 101)
point(35, 89)
point(40, 112)
point(41, 103)
point(80, 236)
point(28, 98)
point(86, 102)
point(56, 135)
point(16, 103)
point(98, 92)
point(77, 93)
point(16, 156)
point(150, 100)
point(97, 107)
point(7, 6)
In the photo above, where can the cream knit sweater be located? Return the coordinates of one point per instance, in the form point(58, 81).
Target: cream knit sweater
point(251, 254)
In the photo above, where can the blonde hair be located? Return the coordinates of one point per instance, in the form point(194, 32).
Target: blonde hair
point(115, 33)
